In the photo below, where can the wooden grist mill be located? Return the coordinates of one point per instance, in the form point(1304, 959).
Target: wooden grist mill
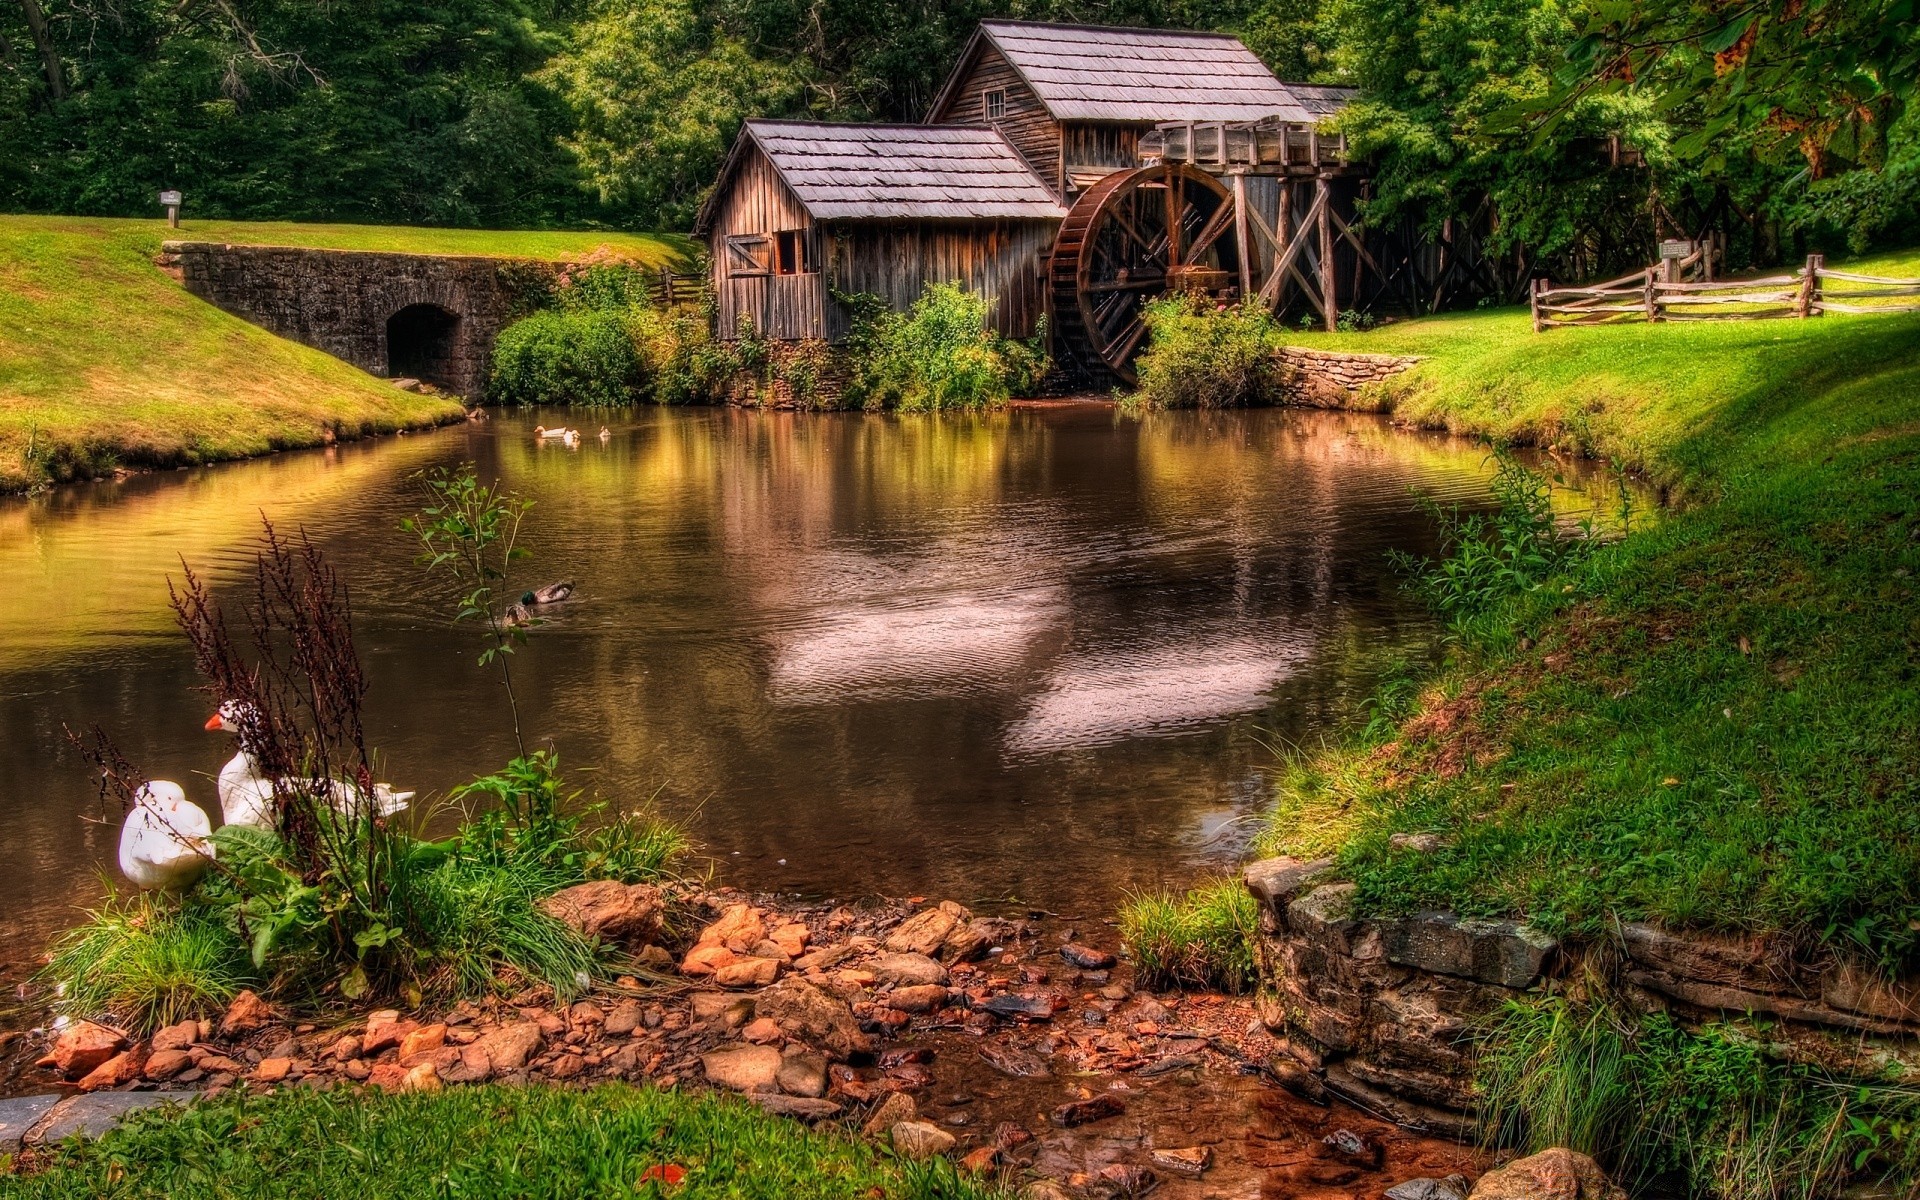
point(1077, 173)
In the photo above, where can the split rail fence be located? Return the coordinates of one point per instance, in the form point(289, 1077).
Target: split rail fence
point(1655, 295)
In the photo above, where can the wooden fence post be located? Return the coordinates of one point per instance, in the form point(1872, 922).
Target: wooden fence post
point(1534, 289)
point(1647, 295)
point(1809, 279)
point(1816, 263)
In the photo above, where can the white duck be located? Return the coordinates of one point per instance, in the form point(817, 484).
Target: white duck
point(164, 843)
point(246, 794)
point(560, 434)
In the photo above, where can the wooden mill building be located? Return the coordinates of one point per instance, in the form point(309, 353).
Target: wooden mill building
point(1069, 170)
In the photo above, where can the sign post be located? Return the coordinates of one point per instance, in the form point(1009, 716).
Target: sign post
point(171, 199)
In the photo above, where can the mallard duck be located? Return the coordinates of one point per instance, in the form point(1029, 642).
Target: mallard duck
point(164, 843)
point(552, 593)
point(518, 617)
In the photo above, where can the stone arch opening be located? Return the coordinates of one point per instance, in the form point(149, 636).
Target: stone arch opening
point(423, 342)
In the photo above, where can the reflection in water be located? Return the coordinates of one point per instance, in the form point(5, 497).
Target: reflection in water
point(1037, 653)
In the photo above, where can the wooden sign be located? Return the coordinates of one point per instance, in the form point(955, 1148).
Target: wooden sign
point(1675, 249)
point(171, 199)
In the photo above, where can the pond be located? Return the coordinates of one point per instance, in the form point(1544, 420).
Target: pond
point(1049, 654)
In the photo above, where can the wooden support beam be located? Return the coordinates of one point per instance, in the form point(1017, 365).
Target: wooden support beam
point(1243, 244)
point(1322, 201)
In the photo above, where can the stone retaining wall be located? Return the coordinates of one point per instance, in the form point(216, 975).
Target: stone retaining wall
point(1384, 1012)
point(1329, 378)
point(342, 301)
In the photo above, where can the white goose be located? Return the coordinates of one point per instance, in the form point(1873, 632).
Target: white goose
point(164, 842)
point(560, 434)
point(246, 794)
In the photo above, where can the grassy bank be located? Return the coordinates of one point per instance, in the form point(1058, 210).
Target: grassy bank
point(530, 1142)
point(1713, 723)
point(106, 363)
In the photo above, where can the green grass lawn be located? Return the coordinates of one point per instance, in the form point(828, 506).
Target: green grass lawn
point(529, 1142)
point(106, 362)
point(1713, 723)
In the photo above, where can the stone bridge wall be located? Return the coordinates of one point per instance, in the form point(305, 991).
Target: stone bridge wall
point(340, 301)
point(1385, 1013)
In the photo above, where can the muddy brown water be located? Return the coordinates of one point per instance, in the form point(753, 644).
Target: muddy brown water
point(1047, 654)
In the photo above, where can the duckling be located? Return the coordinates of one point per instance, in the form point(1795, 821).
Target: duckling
point(606, 435)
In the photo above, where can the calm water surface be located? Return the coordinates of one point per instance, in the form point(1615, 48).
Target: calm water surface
point(1044, 654)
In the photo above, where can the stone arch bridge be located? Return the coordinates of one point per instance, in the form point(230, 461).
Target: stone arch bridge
point(430, 317)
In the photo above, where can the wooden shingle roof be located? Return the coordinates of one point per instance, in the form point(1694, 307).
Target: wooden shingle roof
point(1322, 101)
point(1100, 73)
point(845, 172)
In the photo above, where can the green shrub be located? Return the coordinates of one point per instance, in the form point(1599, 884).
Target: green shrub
point(1200, 355)
point(680, 359)
point(1202, 939)
point(939, 354)
point(583, 357)
point(145, 963)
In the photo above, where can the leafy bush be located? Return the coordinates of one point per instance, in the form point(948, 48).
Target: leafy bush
point(1486, 558)
point(680, 359)
point(1201, 939)
point(148, 963)
point(1200, 355)
point(583, 356)
point(939, 354)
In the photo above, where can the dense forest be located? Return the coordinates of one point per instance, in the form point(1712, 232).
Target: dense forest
point(1781, 120)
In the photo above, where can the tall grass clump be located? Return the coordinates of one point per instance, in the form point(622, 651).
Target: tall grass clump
point(1203, 939)
point(1202, 355)
point(146, 963)
point(939, 354)
point(1709, 1111)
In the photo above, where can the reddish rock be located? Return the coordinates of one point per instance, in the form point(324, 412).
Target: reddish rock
point(346, 1047)
point(892, 1111)
point(614, 912)
point(980, 1161)
point(384, 1029)
point(176, 1037)
point(707, 958)
point(762, 1032)
point(791, 938)
point(802, 1073)
point(740, 926)
point(1557, 1174)
point(1086, 957)
point(82, 1047)
point(387, 1076)
point(247, 1013)
point(918, 1140)
point(273, 1070)
point(419, 1045)
point(165, 1064)
point(624, 1019)
point(507, 1048)
point(926, 999)
point(1008, 1136)
point(566, 1066)
point(122, 1068)
point(422, 1078)
point(743, 1068)
point(1085, 1112)
point(922, 933)
point(748, 973)
point(813, 1016)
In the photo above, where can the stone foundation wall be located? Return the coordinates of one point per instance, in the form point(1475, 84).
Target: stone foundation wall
point(1329, 379)
point(340, 301)
point(1384, 1012)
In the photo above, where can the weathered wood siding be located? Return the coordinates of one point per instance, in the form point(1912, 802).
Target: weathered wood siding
point(1027, 124)
point(1002, 260)
point(1090, 149)
point(783, 307)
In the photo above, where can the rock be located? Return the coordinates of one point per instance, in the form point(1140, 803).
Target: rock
point(896, 1108)
point(1276, 881)
point(1417, 843)
point(1013, 1060)
point(922, 933)
point(344, 1048)
point(1506, 953)
point(165, 1064)
point(743, 1068)
point(1453, 1187)
point(1557, 1174)
point(473, 1066)
point(388, 1077)
point(627, 913)
point(273, 1070)
point(907, 970)
point(748, 972)
point(175, 1037)
point(764, 1031)
point(803, 1108)
point(1188, 1162)
point(624, 1019)
point(385, 1028)
point(566, 1066)
point(1008, 1136)
point(17, 1116)
point(247, 1013)
point(1353, 1149)
point(1044, 1189)
point(507, 1048)
point(802, 1072)
point(791, 938)
point(83, 1046)
point(1010, 1004)
point(585, 1014)
point(1297, 1079)
point(422, 1078)
point(1086, 957)
point(809, 1013)
point(1085, 1112)
point(739, 927)
point(980, 1161)
point(918, 1140)
point(124, 1067)
point(1129, 1179)
point(92, 1115)
point(918, 999)
point(419, 1045)
point(707, 958)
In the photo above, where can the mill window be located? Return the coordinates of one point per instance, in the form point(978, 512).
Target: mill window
point(994, 104)
point(792, 253)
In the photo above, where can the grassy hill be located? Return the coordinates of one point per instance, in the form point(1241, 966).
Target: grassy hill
point(105, 362)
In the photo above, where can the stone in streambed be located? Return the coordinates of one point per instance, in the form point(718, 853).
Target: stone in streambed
point(1556, 1174)
point(1453, 1187)
point(907, 970)
point(83, 1046)
point(923, 933)
point(743, 1068)
point(801, 1108)
point(1032, 1008)
point(707, 958)
point(740, 926)
point(1013, 1060)
point(1189, 1162)
point(628, 913)
point(802, 1072)
point(896, 1108)
point(791, 938)
point(1086, 957)
point(1085, 1112)
point(918, 1140)
point(748, 973)
point(1128, 1179)
point(924, 999)
point(123, 1067)
point(815, 1017)
point(163, 1065)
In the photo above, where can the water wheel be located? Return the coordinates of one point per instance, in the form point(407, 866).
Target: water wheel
point(1130, 238)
